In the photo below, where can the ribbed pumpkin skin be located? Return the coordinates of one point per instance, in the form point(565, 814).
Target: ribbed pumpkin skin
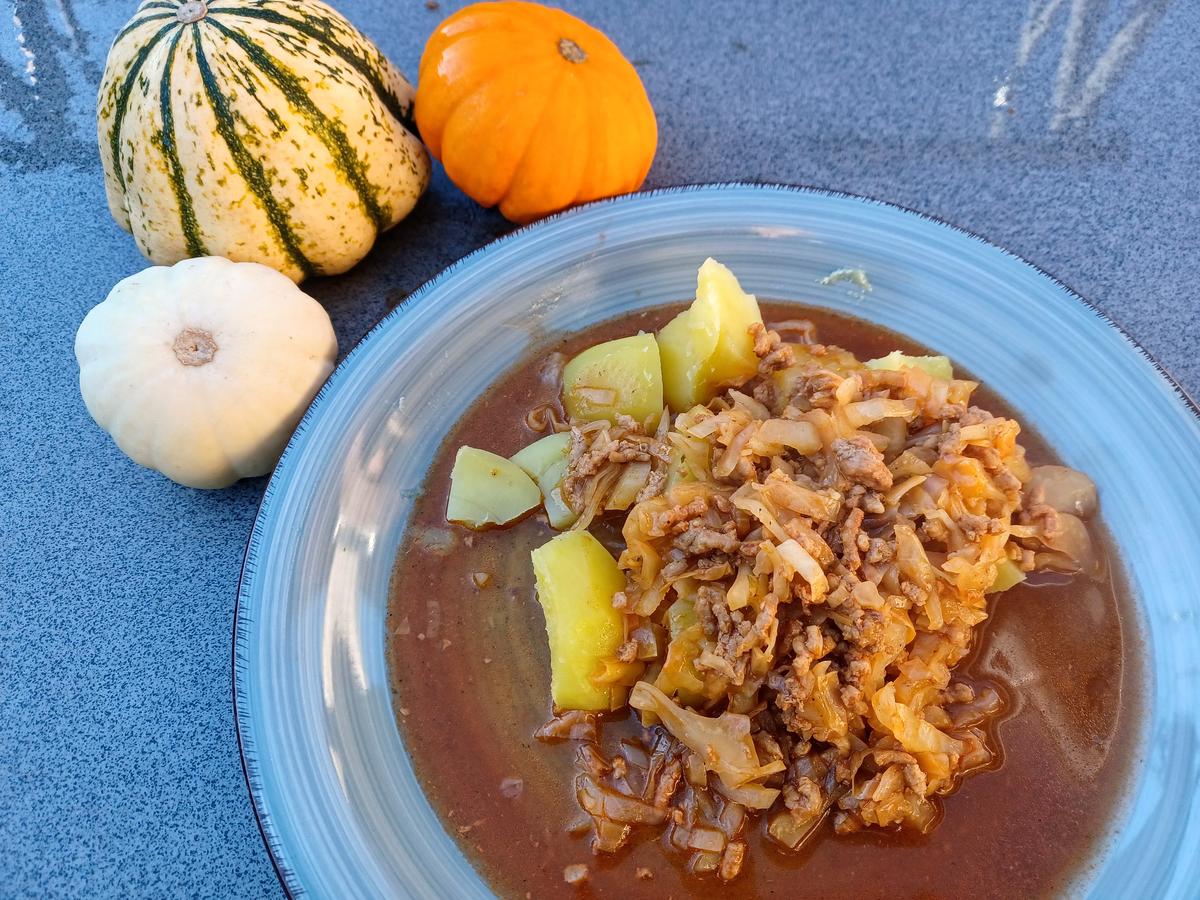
point(266, 131)
point(533, 110)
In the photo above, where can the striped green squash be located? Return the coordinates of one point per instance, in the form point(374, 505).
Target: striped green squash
point(267, 131)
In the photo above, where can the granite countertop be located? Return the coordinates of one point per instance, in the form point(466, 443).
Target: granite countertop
point(1065, 132)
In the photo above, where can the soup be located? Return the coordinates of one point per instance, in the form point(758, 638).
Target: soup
point(471, 672)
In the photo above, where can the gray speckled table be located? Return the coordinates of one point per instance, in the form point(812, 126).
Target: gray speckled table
point(1065, 131)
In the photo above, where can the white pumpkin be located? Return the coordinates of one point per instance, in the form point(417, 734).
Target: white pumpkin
point(201, 370)
point(266, 131)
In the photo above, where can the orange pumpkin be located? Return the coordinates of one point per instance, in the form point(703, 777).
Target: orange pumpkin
point(533, 110)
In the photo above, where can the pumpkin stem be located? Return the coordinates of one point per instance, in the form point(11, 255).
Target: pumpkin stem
point(192, 11)
point(571, 51)
point(194, 347)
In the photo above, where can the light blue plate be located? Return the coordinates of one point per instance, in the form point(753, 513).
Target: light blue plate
point(333, 789)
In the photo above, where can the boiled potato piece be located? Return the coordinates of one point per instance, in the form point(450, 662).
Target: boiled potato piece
point(935, 366)
point(686, 344)
point(542, 454)
point(1008, 574)
point(545, 461)
point(576, 579)
point(708, 345)
point(621, 377)
point(561, 516)
point(486, 489)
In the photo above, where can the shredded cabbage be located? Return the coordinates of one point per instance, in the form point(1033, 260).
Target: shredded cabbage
point(723, 743)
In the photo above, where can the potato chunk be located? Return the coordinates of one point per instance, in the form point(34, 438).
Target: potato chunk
point(621, 377)
point(935, 366)
point(486, 489)
point(1008, 575)
point(576, 579)
point(545, 461)
point(542, 454)
point(708, 345)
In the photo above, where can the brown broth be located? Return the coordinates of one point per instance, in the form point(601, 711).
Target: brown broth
point(471, 674)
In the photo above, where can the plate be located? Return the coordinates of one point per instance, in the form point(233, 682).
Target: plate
point(336, 799)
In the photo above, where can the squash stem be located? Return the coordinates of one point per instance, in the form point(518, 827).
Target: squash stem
point(571, 51)
point(194, 347)
point(192, 11)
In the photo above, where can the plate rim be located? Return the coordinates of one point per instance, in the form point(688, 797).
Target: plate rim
point(286, 877)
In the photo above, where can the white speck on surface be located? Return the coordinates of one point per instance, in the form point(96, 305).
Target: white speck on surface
point(512, 786)
point(1038, 18)
point(26, 53)
point(857, 277)
point(576, 873)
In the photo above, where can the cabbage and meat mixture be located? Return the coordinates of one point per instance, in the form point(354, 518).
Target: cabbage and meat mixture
point(806, 551)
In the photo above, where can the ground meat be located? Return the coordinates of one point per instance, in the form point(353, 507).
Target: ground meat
point(792, 688)
point(712, 610)
point(699, 540)
point(872, 502)
point(598, 449)
point(768, 747)
point(975, 527)
point(1006, 480)
point(850, 534)
point(759, 629)
point(654, 487)
point(665, 522)
point(1042, 515)
point(854, 699)
point(708, 661)
point(731, 860)
point(803, 796)
point(765, 393)
point(989, 456)
point(820, 387)
point(974, 415)
point(668, 782)
point(772, 353)
point(861, 462)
